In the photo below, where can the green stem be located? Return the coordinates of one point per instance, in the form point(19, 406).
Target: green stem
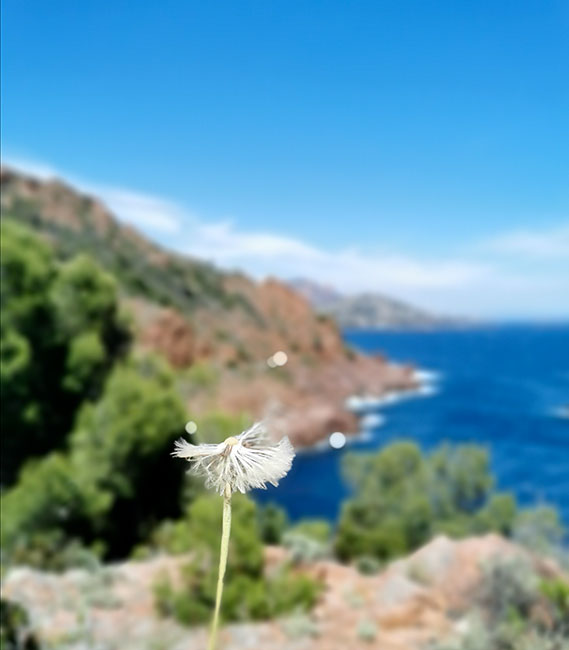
point(225, 531)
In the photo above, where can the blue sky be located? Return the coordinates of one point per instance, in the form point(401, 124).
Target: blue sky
point(412, 147)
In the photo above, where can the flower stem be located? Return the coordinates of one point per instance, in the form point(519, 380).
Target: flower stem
point(225, 531)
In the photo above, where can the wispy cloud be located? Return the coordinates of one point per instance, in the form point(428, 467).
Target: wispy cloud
point(142, 210)
point(349, 269)
point(549, 243)
point(145, 211)
point(223, 242)
point(488, 278)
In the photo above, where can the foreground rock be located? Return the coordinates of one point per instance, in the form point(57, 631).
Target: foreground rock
point(413, 602)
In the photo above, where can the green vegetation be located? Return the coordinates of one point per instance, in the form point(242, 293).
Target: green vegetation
point(368, 566)
point(402, 498)
point(14, 630)
point(367, 631)
point(273, 522)
point(139, 268)
point(248, 592)
point(300, 625)
point(88, 426)
point(61, 332)
point(200, 376)
point(539, 529)
point(102, 491)
point(89, 430)
point(318, 530)
point(308, 541)
point(216, 426)
point(515, 610)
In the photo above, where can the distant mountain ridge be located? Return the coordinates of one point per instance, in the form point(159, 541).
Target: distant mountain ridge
point(368, 310)
point(320, 296)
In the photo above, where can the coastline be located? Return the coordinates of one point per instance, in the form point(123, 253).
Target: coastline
point(426, 385)
point(368, 409)
point(501, 392)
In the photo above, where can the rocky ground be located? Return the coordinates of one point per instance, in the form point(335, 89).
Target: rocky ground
point(425, 597)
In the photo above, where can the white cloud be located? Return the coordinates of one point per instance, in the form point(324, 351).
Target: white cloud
point(490, 279)
point(36, 168)
point(349, 270)
point(550, 243)
point(222, 242)
point(142, 210)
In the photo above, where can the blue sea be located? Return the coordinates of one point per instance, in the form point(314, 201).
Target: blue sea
point(500, 386)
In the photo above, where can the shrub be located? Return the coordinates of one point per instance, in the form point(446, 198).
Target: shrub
point(318, 530)
point(273, 522)
point(556, 591)
point(303, 549)
point(516, 611)
point(509, 589)
point(299, 626)
point(199, 376)
point(402, 498)
point(498, 514)
point(368, 565)
point(367, 631)
point(308, 541)
point(15, 633)
point(504, 638)
point(248, 594)
point(289, 591)
point(539, 529)
point(216, 426)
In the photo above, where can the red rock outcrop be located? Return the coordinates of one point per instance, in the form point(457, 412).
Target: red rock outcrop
point(171, 335)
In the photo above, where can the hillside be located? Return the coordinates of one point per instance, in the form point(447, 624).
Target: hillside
point(223, 324)
point(447, 595)
point(368, 310)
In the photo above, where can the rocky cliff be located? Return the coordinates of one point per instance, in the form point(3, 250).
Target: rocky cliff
point(196, 315)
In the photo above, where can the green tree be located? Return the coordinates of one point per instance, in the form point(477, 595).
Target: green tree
point(120, 449)
point(390, 511)
point(27, 269)
point(402, 498)
point(61, 332)
point(539, 529)
point(117, 480)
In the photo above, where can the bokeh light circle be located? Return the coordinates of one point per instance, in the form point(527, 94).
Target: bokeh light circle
point(280, 358)
point(337, 440)
point(191, 427)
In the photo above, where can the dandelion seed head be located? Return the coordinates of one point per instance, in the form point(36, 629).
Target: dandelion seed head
point(249, 460)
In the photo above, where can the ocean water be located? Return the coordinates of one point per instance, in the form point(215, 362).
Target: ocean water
point(500, 387)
